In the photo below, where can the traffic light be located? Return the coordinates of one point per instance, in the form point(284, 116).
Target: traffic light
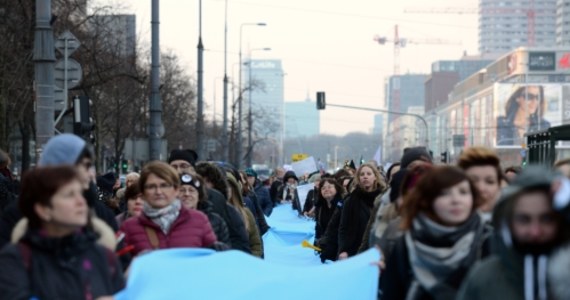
point(321, 103)
point(444, 157)
point(124, 165)
point(83, 124)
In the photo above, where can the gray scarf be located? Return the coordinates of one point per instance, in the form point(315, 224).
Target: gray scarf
point(436, 252)
point(163, 217)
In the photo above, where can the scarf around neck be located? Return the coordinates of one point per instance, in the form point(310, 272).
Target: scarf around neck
point(436, 252)
point(163, 217)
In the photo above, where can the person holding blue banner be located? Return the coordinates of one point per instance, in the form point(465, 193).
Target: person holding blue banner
point(165, 222)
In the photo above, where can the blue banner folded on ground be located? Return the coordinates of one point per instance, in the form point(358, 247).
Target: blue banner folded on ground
point(289, 271)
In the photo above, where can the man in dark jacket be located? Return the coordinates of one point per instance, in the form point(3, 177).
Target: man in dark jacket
point(276, 185)
point(528, 229)
point(185, 161)
point(262, 192)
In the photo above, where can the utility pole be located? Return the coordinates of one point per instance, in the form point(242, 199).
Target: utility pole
point(200, 113)
point(44, 58)
point(156, 129)
point(225, 145)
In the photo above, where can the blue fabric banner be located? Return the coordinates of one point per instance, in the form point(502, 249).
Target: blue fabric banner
point(289, 271)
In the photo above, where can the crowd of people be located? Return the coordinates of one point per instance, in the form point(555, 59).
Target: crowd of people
point(465, 231)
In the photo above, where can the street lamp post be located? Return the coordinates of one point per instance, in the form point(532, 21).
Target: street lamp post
point(240, 95)
point(249, 117)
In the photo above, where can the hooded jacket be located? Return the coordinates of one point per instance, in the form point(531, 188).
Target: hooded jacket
point(76, 266)
point(510, 273)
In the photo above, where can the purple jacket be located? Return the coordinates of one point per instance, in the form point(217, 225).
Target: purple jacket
point(191, 229)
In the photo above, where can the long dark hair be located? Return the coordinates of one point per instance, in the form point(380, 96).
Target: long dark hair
point(512, 107)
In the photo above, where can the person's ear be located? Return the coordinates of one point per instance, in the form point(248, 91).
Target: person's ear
point(44, 212)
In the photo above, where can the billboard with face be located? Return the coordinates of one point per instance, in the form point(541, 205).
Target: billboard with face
point(525, 108)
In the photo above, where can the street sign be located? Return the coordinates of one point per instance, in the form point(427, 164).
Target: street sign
point(74, 73)
point(58, 99)
point(69, 41)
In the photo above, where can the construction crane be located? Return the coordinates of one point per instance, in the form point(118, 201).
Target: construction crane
point(530, 13)
point(401, 43)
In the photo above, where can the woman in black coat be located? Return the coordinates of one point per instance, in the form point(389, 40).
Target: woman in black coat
point(330, 193)
point(58, 257)
point(357, 209)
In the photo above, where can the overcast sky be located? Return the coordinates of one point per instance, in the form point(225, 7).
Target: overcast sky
point(325, 45)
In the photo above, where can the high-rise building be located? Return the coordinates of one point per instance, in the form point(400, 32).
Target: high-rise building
point(563, 22)
point(264, 89)
point(411, 93)
point(506, 25)
point(301, 119)
point(378, 124)
point(445, 74)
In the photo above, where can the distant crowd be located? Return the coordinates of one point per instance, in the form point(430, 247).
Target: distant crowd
point(465, 231)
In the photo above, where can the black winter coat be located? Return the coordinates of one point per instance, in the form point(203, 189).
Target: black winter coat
point(354, 218)
point(218, 224)
point(274, 191)
point(264, 198)
point(329, 241)
point(236, 226)
point(258, 214)
point(323, 215)
point(73, 267)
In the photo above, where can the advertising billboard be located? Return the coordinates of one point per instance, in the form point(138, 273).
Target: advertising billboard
point(523, 108)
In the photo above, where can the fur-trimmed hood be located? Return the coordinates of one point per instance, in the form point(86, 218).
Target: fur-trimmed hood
point(106, 236)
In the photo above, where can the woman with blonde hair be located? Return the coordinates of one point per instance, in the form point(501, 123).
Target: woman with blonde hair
point(357, 209)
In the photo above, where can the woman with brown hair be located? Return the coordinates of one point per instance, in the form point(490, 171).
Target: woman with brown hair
point(58, 257)
point(135, 203)
point(483, 167)
point(357, 209)
point(165, 222)
point(444, 236)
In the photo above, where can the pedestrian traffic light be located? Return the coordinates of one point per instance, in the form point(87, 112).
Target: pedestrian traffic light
point(321, 103)
point(444, 157)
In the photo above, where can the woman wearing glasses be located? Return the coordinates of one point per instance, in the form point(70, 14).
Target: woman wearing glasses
point(524, 112)
point(164, 222)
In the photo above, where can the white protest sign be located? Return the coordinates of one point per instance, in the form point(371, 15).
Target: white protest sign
point(302, 191)
point(305, 166)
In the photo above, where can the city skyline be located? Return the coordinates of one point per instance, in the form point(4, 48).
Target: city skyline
point(324, 46)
